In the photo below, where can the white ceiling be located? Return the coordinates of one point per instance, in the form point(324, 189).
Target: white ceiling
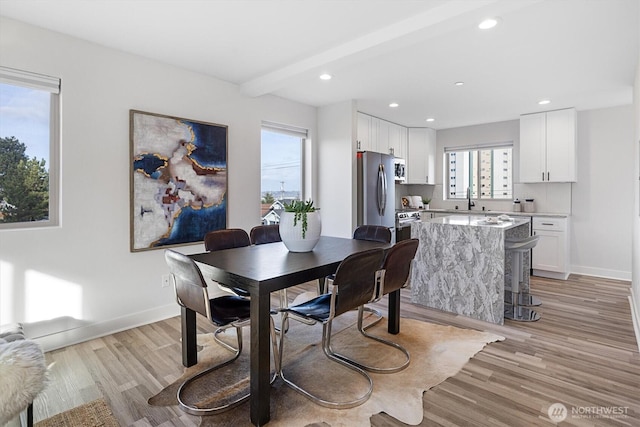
point(578, 53)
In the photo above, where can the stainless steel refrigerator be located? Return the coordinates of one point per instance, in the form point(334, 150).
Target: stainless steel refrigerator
point(376, 190)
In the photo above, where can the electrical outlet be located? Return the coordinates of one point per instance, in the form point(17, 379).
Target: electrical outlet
point(166, 280)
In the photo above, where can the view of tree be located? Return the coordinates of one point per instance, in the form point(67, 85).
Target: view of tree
point(24, 184)
point(268, 198)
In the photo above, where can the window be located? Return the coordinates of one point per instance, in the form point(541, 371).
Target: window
point(29, 123)
point(487, 171)
point(282, 169)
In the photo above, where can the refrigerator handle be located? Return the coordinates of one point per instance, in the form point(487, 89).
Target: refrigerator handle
point(382, 189)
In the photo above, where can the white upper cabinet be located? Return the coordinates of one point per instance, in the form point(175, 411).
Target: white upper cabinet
point(421, 156)
point(397, 140)
point(548, 146)
point(367, 133)
point(381, 136)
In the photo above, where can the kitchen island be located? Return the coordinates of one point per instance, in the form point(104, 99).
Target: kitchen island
point(461, 265)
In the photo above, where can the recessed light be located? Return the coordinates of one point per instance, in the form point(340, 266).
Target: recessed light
point(430, 119)
point(544, 102)
point(459, 83)
point(325, 76)
point(488, 23)
point(394, 105)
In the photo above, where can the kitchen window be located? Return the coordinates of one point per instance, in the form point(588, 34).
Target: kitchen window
point(486, 170)
point(282, 168)
point(29, 149)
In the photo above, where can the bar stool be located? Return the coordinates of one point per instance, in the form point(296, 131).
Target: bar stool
point(517, 307)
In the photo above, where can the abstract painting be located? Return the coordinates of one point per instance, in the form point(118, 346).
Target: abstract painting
point(178, 180)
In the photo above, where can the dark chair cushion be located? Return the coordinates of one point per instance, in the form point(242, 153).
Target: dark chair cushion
point(317, 308)
point(227, 309)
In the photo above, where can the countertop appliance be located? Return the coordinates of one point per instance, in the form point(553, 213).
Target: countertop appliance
point(376, 190)
point(399, 170)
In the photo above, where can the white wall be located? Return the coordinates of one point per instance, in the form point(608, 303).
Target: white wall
point(602, 198)
point(82, 272)
point(337, 168)
point(635, 285)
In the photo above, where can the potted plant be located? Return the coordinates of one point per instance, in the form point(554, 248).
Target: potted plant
point(300, 226)
point(425, 202)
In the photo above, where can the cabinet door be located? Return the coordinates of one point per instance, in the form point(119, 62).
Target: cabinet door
point(374, 139)
point(383, 137)
point(421, 156)
point(395, 147)
point(549, 254)
point(364, 129)
point(417, 156)
point(532, 148)
point(561, 146)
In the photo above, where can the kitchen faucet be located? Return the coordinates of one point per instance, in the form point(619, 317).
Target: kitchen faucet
point(470, 203)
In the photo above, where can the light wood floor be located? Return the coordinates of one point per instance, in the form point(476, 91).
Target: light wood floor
point(582, 353)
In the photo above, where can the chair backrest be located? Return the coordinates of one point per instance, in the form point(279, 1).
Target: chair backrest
point(265, 234)
point(226, 239)
point(397, 265)
point(191, 289)
point(374, 233)
point(355, 279)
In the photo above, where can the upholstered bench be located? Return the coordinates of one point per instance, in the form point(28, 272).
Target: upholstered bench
point(23, 373)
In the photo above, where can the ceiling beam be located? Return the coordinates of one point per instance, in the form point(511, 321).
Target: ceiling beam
point(277, 79)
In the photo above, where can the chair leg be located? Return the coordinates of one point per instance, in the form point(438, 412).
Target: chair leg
point(370, 368)
point(326, 346)
point(209, 411)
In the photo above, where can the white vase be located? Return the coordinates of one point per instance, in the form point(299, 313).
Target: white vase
point(292, 235)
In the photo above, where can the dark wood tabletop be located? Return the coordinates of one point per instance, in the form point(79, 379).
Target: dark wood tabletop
point(262, 269)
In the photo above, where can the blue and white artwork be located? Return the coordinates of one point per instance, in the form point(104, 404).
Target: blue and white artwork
point(178, 180)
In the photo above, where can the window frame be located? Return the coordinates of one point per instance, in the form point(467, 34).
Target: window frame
point(474, 171)
point(297, 132)
point(30, 80)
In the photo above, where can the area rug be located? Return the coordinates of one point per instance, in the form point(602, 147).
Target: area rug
point(92, 414)
point(437, 352)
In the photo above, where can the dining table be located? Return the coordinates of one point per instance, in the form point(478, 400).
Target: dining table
point(261, 270)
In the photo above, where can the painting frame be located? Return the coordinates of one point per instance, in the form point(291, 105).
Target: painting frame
point(178, 181)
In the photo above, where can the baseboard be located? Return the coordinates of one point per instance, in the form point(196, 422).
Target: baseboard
point(601, 272)
point(96, 330)
point(635, 316)
point(550, 274)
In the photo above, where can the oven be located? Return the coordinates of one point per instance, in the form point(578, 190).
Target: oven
point(404, 218)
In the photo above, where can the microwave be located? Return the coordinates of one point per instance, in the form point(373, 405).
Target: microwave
point(399, 169)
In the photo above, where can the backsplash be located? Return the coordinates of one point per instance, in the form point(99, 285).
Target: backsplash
point(548, 198)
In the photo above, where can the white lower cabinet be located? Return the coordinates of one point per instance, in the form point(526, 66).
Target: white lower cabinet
point(550, 257)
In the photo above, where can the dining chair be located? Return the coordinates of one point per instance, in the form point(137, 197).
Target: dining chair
point(353, 285)
point(227, 238)
point(395, 274)
point(374, 233)
point(224, 312)
point(270, 233)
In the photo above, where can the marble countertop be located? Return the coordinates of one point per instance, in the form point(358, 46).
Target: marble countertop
point(510, 213)
point(477, 221)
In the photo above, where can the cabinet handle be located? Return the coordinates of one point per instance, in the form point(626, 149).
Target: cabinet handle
point(543, 176)
point(547, 176)
point(547, 223)
point(358, 145)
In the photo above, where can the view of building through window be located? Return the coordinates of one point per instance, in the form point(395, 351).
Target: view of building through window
point(25, 156)
point(281, 172)
point(488, 172)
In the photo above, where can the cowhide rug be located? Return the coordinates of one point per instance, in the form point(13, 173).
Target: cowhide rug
point(437, 352)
